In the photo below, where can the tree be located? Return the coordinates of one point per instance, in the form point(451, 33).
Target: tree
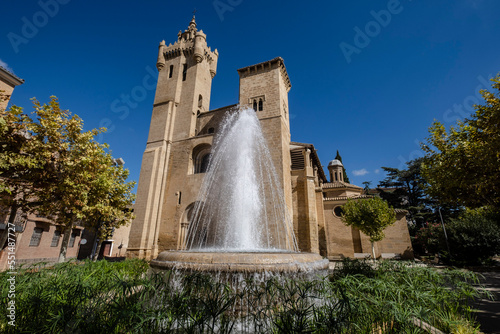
point(367, 185)
point(114, 200)
point(339, 158)
point(17, 167)
point(74, 178)
point(405, 189)
point(473, 238)
point(370, 216)
point(462, 165)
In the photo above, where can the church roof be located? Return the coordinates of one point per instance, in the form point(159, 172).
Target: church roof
point(345, 198)
point(335, 163)
point(10, 77)
point(314, 156)
point(221, 109)
point(339, 184)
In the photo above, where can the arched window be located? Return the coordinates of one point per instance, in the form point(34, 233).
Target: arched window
point(205, 160)
point(260, 104)
point(254, 105)
point(201, 158)
point(186, 220)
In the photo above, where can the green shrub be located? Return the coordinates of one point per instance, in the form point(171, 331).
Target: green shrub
point(473, 238)
point(429, 240)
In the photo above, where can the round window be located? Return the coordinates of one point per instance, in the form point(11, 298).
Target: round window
point(338, 211)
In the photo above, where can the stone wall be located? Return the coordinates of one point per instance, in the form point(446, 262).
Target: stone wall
point(346, 241)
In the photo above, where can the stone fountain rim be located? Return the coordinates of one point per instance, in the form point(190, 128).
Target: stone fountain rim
point(251, 261)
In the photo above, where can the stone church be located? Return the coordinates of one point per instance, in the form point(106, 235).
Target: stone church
point(178, 150)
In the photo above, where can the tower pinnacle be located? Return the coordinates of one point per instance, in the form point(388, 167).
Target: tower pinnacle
point(193, 21)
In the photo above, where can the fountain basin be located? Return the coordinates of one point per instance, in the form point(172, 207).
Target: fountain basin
point(244, 262)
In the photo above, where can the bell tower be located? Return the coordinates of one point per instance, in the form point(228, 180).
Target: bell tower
point(185, 72)
point(264, 87)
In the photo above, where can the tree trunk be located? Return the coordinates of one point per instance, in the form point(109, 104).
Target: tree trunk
point(373, 250)
point(65, 242)
point(98, 250)
point(97, 244)
point(12, 219)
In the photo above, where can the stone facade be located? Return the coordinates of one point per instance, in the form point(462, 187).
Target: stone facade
point(8, 81)
point(180, 138)
point(38, 239)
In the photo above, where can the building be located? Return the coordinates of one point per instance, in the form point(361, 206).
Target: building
point(178, 148)
point(37, 240)
point(8, 81)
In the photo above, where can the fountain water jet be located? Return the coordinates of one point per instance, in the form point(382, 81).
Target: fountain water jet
point(240, 221)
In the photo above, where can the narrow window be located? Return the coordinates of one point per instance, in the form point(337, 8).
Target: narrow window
point(336, 177)
point(184, 72)
point(179, 199)
point(260, 104)
point(171, 71)
point(204, 163)
point(56, 238)
point(200, 101)
point(36, 237)
point(201, 157)
point(255, 105)
point(74, 234)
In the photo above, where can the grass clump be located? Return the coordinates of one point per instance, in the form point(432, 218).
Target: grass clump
point(394, 294)
point(357, 297)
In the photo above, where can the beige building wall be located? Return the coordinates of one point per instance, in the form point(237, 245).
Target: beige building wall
point(345, 241)
point(8, 81)
point(267, 84)
point(119, 241)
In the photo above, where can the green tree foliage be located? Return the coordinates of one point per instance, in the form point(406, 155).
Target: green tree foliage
point(16, 165)
point(367, 185)
point(74, 179)
point(339, 158)
point(370, 216)
point(406, 189)
point(462, 165)
point(473, 237)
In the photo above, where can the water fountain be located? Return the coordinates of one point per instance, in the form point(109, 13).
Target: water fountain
point(240, 222)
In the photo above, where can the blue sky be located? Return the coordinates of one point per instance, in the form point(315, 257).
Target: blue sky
point(368, 77)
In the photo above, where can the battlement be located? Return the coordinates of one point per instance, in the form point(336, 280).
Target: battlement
point(190, 43)
point(187, 49)
point(265, 66)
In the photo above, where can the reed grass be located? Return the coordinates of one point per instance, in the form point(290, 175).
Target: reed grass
point(357, 297)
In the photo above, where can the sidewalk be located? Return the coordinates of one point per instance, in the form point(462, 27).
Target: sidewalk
point(488, 314)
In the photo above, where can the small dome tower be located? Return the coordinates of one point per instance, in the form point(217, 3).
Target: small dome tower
point(335, 168)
